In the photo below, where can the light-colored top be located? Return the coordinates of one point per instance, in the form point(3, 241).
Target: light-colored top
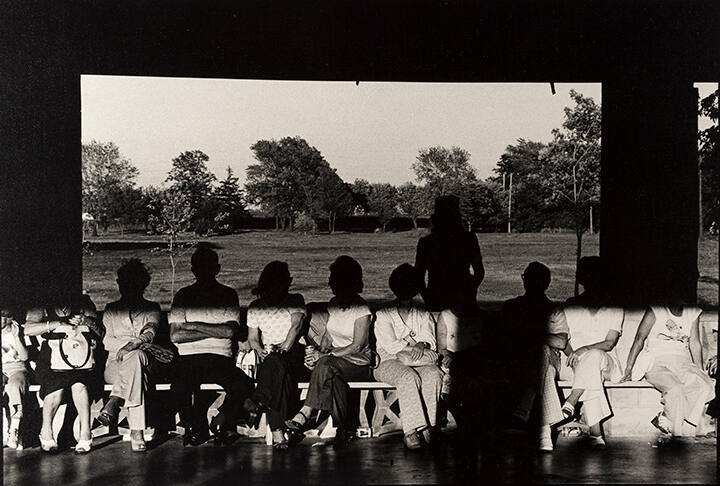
point(214, 304)
point(341, 321)
point(671, 334)
point(274, 322)
point(10, 356)
point(123, 324)
point(591, 325)
point(463, 332)
point(393, 333)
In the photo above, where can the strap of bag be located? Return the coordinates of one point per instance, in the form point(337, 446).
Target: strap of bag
point(67, 360)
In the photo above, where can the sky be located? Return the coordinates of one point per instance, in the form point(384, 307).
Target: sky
point(371, 131)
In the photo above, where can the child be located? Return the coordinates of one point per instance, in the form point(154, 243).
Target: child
point(15, 374)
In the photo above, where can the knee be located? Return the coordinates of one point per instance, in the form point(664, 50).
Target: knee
point(324, 366)
point(409, 377)
point(133, 359)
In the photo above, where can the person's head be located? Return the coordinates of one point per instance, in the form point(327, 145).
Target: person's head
point(274, 282)
point(6, 317)
point(345, 277)
point(446, 216)
point(590, 273)
point(133, 278)
point(405, 282)
point(205, 264)
point(536, 278)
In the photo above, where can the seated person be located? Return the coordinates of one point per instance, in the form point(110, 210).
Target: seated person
point(668, 336)
point(15, 374)
point(594, 332)
point(275, 322)
point(538, 331)
point(407, 347)
point(77, 321)
point(204, 322)
point(131, 323)
point(346, 355)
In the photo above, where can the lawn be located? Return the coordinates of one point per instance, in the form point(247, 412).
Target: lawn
point(243, 256)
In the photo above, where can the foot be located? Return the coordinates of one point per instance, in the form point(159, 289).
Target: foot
point(429, 435)
point(412, 441)
point(662, 423)
point(83, 446)
point(108, 414)
point(298, 422)
point(662, 440)
point(597, 442)
point(254, 410)
point(48, 445)
point(195, 437)
point(568, 410)
point(546, 444)
point(343, 438)
point(137, 441)
point(13, 441)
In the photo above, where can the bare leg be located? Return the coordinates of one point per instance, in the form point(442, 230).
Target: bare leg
point(303, 415)
point(82, 404)
point(574, 396)
point(51, 402)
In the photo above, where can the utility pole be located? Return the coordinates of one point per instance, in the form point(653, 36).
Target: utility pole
point(591, 225)
point(510, 203)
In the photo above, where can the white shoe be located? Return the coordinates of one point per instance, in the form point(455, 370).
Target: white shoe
point(546, 444)
point(83, 446)
point(48, 445)
point(13, 441)
point(597, 442)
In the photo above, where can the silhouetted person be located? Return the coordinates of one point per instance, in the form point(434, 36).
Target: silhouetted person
point(130, 323)
point(594, 331)
point(407, 347)
point(345, 355)
point(15, 374)
point(275, 322)
point(204, 322)
point(535, 331)
point(447, 254)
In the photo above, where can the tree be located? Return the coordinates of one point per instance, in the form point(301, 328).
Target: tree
point(413, 201)
point(170, 214)
point(479, 205)
point(382, 202)
point(360, 190)
point(228, 197)
point(570, 168)
point(283, 181)
point(331, 197)
point(709, 152)
point(443, 171)
point(190, 178)
point(107, 177)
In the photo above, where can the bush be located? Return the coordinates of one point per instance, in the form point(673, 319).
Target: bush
point(304, 223)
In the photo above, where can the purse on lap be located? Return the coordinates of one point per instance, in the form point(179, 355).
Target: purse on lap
point(71, 348)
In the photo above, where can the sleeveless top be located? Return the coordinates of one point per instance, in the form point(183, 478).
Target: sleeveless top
point(671, 334)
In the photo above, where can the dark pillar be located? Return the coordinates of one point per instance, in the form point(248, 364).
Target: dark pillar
point(649, 209)
point(40, 177)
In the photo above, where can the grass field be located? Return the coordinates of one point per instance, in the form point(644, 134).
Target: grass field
point(243, 256)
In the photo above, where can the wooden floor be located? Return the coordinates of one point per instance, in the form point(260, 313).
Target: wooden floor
point(366, 461)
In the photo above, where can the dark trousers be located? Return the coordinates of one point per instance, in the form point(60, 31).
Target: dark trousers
point(192, 370)
point(329, 390)
point(277, 384)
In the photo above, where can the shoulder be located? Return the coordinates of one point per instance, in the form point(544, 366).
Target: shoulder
point(295, 300)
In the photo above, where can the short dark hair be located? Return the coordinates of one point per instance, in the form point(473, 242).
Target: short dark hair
point(405, 281)
point(589, 270)
point(204, 257)
point(346, 273)
point(539, 270)
point(134, 270)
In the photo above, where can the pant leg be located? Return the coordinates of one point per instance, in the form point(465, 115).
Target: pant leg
point(430, 385)
point(276, 389)
point(237, 385)
point(551, 409)
point(16, 387)
point(665, 379)
point(699, 389)
point(185, 382)
point(408, 383)
point(532, 382)
point(588, 374)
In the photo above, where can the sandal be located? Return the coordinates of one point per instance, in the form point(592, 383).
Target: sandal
point(658, 420)
point(48, 445)
point(297, 426)
point(568, 410)
point(137, 444)
point(108, 414)
point(83, 446)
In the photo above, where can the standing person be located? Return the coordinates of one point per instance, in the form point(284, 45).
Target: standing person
point(76, 321)
point(407, 348)
point(594, 332)
point(538, 330)
point(204, 322)
point(346, 357)
point(447, 254)
point(15, 374)
point(131, 324)
point(275, 321)
point(668, 337)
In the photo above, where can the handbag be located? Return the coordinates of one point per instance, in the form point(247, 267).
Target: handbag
point(643, 363)
point(428, 358)
point(71, 348)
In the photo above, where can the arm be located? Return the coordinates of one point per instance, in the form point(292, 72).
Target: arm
point(477, 262)
point(559, 331)
point(19, 344)
point(185, 332)
point(646, 324)
point(361, 330)
point(695, 345)
point(36, 323)
point(147, 334)
point(558, 341)
point(254, 340)
point(442, 341)
point(293, 334)
point(386, 337)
